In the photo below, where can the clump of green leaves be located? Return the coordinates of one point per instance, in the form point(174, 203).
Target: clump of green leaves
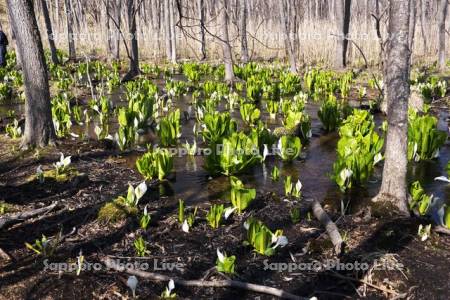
point(358, 149)
point(224, 263)
point(289, 147)
point(424, 139)
point(241, 197)
point(329, 114)
point(214, 216)
point(140, 247)
point(275, 174)
point(273, 108)
point(128, 123)
point(122, 206)
point(295, 215)
point(217, 126)
point(249, 113)
point(290, 189)
point(169, 129)
point(262, 239)
point(419, 199)
point(61, 114)
point(41, 246)
point(145, 219)
point(157, 163)
point(13, 130)
point(187, 221)
point(239, 152)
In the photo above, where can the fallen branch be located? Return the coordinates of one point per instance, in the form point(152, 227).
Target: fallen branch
point(8, 221)
point(330, 227)
point(202, 283)
point(442, 229)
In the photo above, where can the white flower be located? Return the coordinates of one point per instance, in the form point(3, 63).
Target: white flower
point(346, 173)
point(298, 186)
point(171, 285)
point(279, 146)
point(63, 161)
point(39, 170)
point(377, 158)
point(98, 131)
point(442, 178)
point(229, 211)
point(140, 190)
point(265, 152)
point(185, 226)
point(281, 241)
point(132, 284)
point(424, 232)
point(220, 256)
point(246, 225)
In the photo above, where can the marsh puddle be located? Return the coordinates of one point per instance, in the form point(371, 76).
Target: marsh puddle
point(194, 185)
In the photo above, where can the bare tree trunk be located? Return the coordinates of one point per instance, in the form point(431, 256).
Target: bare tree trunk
point(115, 39)
point(69, 28)
point(227, 54)
point(39, 130)
point(423, 24)
point(134, 51)
point(173, 34)
point(201, 7)
point(393, 188)
point(48, 25)
point(412, 25)
point(13, 37)
point(243, 30)
point(442, 14)
point(343, 25)
point(287, 41)
point(167, 30)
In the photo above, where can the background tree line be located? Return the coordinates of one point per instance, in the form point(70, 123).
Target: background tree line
point(304, 31)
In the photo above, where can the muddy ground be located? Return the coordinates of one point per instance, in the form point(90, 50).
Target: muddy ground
point(412, 269)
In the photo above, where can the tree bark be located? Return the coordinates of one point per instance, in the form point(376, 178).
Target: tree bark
point(13, 37)
point(173, 34)
point(412, 26)
point(226, 47)
point(442, 14)
point(134, 51)
point(201, 7)
point(393, 188)
point(343, 26)
point(115, 39)
point(39, 130)
point(69, 28)
point(167, 30)
point(423, 24)
point(287, 41)
point(48, 25)
point(243, 30)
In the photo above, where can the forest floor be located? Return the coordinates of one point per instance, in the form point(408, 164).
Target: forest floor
point(400, 265)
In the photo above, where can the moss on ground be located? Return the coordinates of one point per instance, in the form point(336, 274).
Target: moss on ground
point(115, 211)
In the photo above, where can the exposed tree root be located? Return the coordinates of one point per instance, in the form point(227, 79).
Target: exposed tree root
point(8, 221)
point(202, 283)
point(330, 227)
